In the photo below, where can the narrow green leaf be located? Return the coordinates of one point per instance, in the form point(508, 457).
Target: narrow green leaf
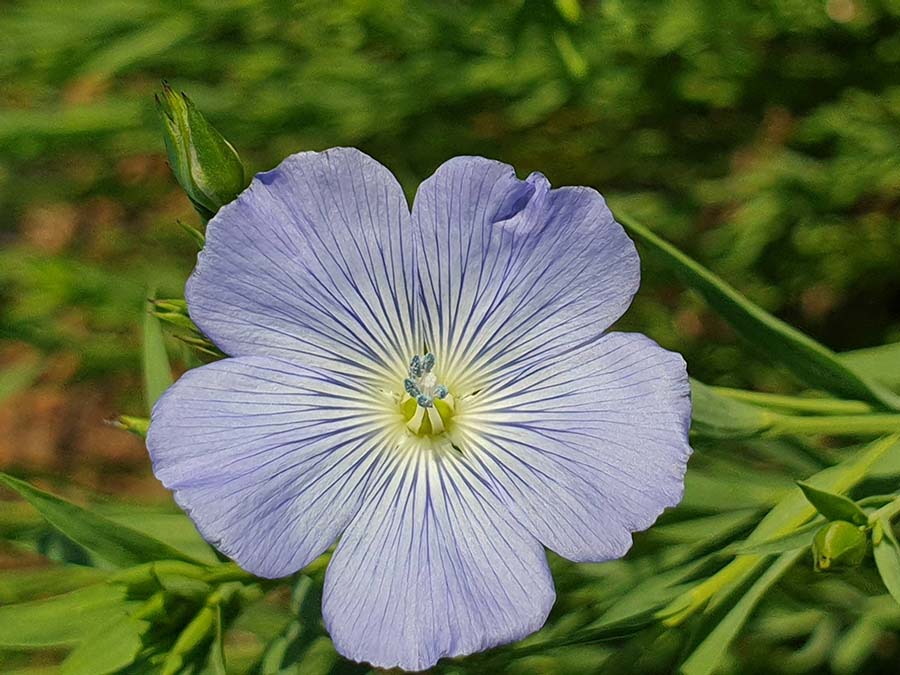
point(833, 506)
point(157, 371)
point(176, 529)
point(708, 654)
point(649, 595)
point(800, 538)
point(195, 235)
point(26, 584)
point(789, 514)
point(285, 651)
point(108, 648)
point(812, 362)
point(705, 528)
point(215, 664)
point(879, 363)
point(718, 483)
point(717, 416)
point(887, 556)
point(116, 544)
point(60, 620)
point(850, 653)
point(819, 405)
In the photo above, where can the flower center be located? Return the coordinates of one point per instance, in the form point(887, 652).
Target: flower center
point(427, 405)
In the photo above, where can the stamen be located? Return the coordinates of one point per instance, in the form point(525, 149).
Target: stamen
point(429, 405)
point(415, 367)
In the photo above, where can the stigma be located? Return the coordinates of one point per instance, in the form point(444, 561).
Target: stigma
point(427, 404)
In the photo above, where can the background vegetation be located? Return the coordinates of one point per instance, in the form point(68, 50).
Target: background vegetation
point(763, 138)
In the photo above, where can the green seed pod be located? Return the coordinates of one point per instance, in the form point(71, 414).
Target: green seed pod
point(205, 165)
point(838, 544)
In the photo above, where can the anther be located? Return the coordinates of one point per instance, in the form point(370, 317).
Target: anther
point(411, 388)
point(415, 367)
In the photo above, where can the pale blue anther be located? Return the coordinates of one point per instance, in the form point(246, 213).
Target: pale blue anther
point(415, 367)
point(411, 388)
point(428, 362)
point(441, 391)
point(424, 401)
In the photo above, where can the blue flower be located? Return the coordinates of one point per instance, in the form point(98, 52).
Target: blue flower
point(436, 389)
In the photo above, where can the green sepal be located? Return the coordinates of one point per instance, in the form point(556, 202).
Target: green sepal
point(833, 506)
point(206, 166)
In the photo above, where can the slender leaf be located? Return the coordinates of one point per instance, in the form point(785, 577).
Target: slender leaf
point(194, 234)
point(157, 371)
point(176, 529)
point(850, 653)
point(708, 654)
point(116, 544)
point(886, 550)
point(812, 362)
point(215, 664)
point(705, 528)
point(789, 514)
point(649, 595)
point(879, 363)
point(109, 647)
point(717, 416)
point(800, 538)
point(284, 653)
point(833, 506)
point(50, 622)
point(25, 584)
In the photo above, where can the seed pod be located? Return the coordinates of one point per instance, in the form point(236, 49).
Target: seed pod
point(838, 544)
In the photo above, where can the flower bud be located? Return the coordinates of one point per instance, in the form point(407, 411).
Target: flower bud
point(838, 544)
point(205, 165)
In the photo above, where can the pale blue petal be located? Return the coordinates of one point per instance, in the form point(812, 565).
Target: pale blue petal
point(586, 450)
point(513, 272)
point(268, 458)
point(433, 566)
point(312, 260)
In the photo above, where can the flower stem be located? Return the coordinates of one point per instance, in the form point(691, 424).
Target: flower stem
point(821, 406)
point(851, 425)
point(886, 512)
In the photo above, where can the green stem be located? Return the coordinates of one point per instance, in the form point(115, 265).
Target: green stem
point(836, 425)
point(886, 512)
point(821, 406)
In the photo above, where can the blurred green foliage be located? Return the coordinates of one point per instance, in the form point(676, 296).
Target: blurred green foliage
point(762, 137)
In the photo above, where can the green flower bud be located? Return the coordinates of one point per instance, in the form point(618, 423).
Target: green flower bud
point(205, 165)
point(838, 544)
